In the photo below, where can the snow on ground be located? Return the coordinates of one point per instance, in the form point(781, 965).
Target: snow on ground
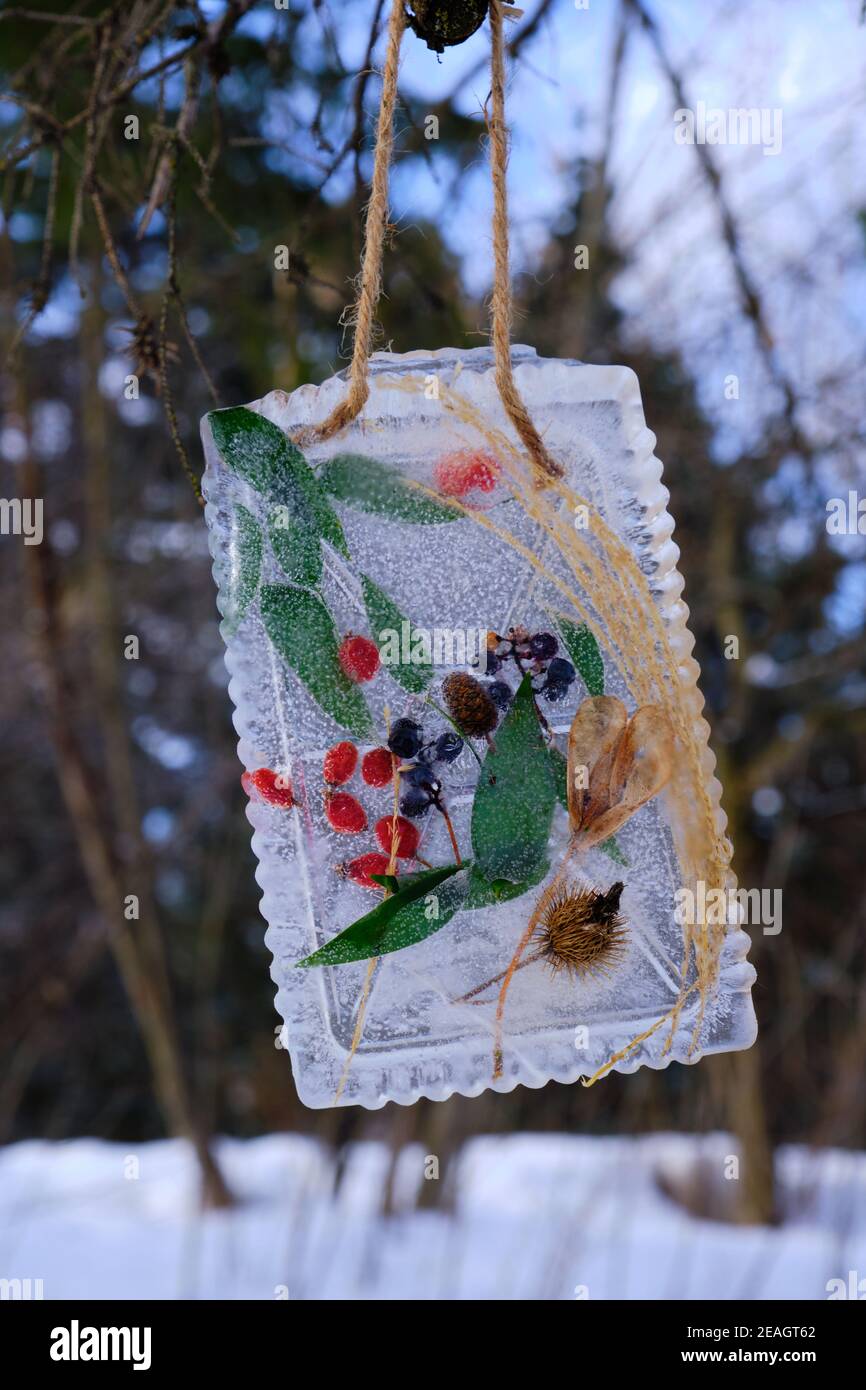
point(537, 1217)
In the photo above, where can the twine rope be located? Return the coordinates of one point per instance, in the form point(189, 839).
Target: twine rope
point(364, 313)
point(502, 307)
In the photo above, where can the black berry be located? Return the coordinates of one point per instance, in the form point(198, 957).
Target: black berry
point(405, 739)
point(420, 776)
point(554, 690)
point(448, 747)
point(500, 693)
point(543, 646)
point(560, 672)
point(415, 802)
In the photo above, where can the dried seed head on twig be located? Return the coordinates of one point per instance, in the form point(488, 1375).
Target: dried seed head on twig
point(582, 931)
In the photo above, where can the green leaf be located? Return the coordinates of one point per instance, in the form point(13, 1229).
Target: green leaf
point(560, 772)
point(612, 850)
point(300, 514)
point(252, 446)
point(399, 921)
point(384, 615)
point(296, 547)
point(584, 652)
point(389, 881)
point(514, 796)
point(480, 893)
point(303, 632)
point(559, 763)
point(484, 894)
point(372, 486)
point(245, 568)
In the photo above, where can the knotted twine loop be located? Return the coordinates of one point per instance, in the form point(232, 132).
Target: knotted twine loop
point(374, 240)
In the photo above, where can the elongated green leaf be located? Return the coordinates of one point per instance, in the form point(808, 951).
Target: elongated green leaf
point(559, 763)
point(514, 796)
point(372, 486)
point(245, 568)
point(584, 652)
point(480, 893)
point(296, 546)
point(303, 632)
point(300, 515)
point(251, 446)
point(419, 909)
point(385, 617)
point(560, 772)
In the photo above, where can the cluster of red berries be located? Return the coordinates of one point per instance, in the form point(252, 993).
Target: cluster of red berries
point(465, 471)
point(346, 815)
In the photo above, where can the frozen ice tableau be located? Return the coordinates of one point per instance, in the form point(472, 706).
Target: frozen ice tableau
point(478, 771)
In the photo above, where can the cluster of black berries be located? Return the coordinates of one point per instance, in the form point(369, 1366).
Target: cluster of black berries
point(533, 652)
point(423, 788)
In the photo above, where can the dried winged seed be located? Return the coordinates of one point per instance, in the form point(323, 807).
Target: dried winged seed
point(595, 732)
point(644, 758)
point(642, 765)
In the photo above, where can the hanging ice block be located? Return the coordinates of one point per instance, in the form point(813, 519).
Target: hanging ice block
point(399, 546)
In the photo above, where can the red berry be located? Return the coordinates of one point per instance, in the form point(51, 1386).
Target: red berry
point(406, 833)
point(340, 763)
point(460, 472)
point(482, 472)
point(345, 814)
point(377, 767)
point(360, 870)
point(359, 658)
point(272, 787)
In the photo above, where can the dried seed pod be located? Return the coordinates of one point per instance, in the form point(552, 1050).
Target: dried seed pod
point(628, 762)
point(469, 705)
point(595, 732)
point(581, 931)
point(444, 23)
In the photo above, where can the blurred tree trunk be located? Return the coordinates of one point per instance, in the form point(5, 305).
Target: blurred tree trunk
point(136, 947)
point(747, 1121)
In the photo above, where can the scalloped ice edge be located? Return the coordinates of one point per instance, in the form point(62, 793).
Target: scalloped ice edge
point(736, 975)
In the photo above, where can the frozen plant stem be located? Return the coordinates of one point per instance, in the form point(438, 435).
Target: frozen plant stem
point(442, 811)
point(546, 898)
point(494, 980)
